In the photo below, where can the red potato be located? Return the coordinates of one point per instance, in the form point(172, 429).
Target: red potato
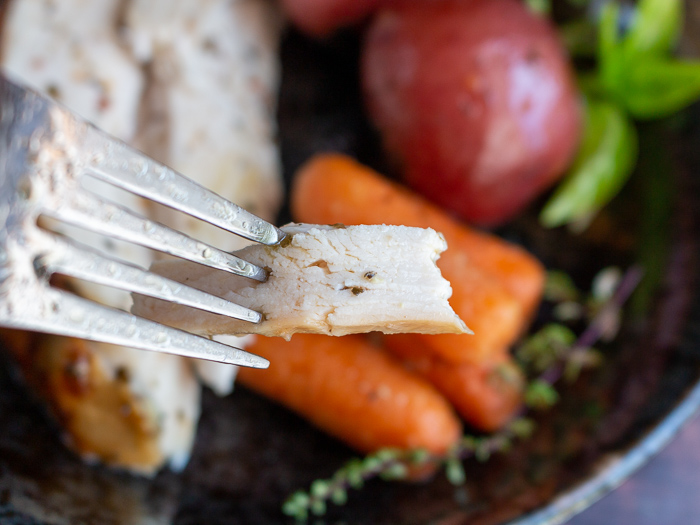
point(475, 98)
point(321, 17)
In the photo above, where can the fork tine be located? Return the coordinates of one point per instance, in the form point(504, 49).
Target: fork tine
point(143, 176)
point(86, 210)
point(68, 258)
point(59, 312)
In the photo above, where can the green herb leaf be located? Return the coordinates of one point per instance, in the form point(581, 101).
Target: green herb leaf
point(353, 472)
point(585, 358)
point(658, 87)
point(656, 27)
point(339, 496)
point(482, 452)
point(320, 489)
point(611, 59)
point(394, 471)
point(297, 505)
point(637, 71)
point(560, 287)
point(603, 164)
point(605, 283)
point(318, 507)
point(454, 470)
point(522, 427)
point(419, 456)
point(542, 349)
point(540, 395)
point(387, 454)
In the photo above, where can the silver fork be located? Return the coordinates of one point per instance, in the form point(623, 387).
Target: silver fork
point(45, 153)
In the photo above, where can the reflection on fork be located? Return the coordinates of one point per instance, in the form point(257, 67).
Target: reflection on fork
point(45, 154)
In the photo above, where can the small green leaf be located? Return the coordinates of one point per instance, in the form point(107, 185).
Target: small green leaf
point(605, 283)
point(636, 70)
point(544, 347)
point(289, 508)
point(559, 286)
point(603, 164)
point(394, 471)
point(419, 456)
point(353, 472)
point(387, 454)
point(454, 470)
point(297, 505)
point(540, 395)
point(655, 29)
point(371, 463)
point(482, 452)
point(468, 443)
point(522, 427)
point(568, 311)
point(611, 59)
point(320, 489)
point(658, 87)
point(339, 496)
point(318, 507)
point(587, 358)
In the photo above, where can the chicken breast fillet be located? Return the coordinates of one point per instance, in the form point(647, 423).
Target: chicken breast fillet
point(193, 84)
point(332, 280)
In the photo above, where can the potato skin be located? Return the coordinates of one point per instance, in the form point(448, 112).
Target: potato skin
point(475, 98)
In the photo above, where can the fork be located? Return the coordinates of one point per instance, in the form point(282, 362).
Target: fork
point(46, 152)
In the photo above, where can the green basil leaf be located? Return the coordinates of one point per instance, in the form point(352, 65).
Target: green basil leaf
point(637, 71)
point(658, 87)
point(656, 28)
point(611, 59)
point(605, 160)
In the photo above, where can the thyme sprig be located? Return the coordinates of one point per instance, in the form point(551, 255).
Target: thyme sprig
point(394, 464)
point(553, 353)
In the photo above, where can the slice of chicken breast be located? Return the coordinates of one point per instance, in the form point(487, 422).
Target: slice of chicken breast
point(193, 84)
point(325, 280)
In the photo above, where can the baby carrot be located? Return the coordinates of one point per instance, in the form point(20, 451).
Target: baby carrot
point(354, 391)
point(487, 395)
point(495, 285)
point(335, 188)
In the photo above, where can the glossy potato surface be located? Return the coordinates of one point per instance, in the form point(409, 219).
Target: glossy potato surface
point(476, 100)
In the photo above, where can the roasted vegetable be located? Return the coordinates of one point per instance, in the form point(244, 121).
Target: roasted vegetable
point(476, 100)
point(495, 285)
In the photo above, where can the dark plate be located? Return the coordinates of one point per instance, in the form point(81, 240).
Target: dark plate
point(250, 454)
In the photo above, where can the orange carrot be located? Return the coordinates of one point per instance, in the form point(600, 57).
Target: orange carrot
point(354, 391)
point(335, 188)
point(495, 285)
point(487, 395)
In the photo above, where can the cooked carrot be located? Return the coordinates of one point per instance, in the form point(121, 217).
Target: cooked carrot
point(335, 188)
point(495, 285)
point(487, 395)
point(354, 391)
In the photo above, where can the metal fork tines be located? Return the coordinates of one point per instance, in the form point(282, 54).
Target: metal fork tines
point(45, 153)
